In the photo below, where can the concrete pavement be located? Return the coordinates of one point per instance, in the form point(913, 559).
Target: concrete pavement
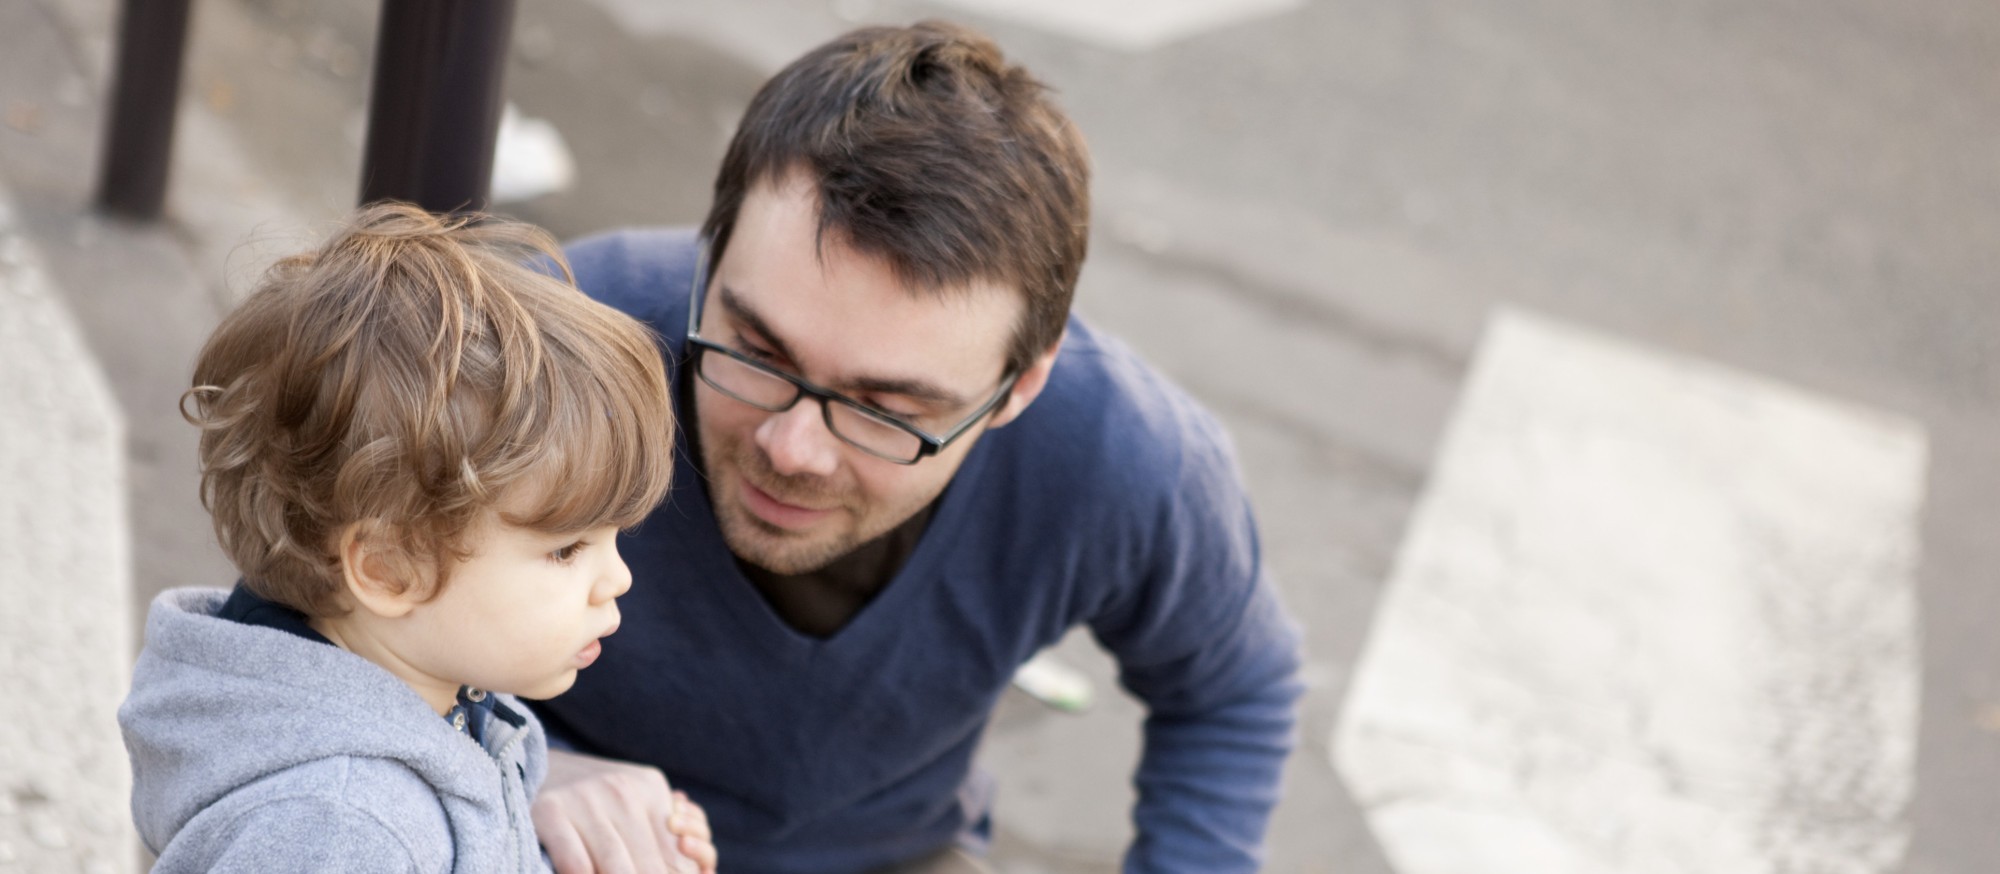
point(65, 641)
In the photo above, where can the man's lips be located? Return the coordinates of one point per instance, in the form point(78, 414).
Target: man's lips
point(778, 512)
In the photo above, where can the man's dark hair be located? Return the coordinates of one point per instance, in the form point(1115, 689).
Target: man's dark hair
point(930, 151)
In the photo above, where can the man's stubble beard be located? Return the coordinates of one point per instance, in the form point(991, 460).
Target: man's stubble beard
point(767, 546)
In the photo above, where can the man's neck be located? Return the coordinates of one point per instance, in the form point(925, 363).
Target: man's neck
point(819, 603)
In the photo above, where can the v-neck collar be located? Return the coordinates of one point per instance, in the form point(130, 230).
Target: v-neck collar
point(820, 602)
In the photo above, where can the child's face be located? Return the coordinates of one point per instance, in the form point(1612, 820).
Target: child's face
point(522, 614)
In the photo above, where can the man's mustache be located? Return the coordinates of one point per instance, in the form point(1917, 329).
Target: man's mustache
point(800, 489)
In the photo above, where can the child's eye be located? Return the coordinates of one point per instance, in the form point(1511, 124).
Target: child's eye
point(568, 553)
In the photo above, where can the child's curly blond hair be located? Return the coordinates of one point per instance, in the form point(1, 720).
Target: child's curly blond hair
point(406, 375)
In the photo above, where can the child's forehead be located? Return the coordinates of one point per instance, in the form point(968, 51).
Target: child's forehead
point(493, 529)
point(522, 504)
point(552, 501)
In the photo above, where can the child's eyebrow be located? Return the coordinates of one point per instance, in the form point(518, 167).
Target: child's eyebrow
point(922, 391)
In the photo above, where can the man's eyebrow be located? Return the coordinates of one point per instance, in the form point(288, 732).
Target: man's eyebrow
point(741, 312)
point(916, 390)
point(928, 393)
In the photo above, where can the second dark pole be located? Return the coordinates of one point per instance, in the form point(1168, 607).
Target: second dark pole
point(434, 112)
point(145, 91)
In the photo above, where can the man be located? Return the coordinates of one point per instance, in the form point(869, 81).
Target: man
point(907, 469)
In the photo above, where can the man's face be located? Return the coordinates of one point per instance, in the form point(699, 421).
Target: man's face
point(789, 495)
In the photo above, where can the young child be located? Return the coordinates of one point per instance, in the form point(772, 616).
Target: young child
point(418, 451)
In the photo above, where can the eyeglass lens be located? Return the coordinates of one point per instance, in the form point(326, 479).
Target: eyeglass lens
point(768, 391)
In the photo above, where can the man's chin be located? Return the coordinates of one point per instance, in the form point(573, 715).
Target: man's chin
point(778, 550)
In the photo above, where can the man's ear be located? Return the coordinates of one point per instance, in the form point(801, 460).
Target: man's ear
point(376, 574)
point(1029, 386)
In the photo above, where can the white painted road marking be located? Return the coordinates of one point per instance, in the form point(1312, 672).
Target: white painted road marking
point(1651, 617)
point(1131, 25)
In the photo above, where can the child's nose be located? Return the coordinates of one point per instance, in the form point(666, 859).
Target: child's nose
point(616, 579)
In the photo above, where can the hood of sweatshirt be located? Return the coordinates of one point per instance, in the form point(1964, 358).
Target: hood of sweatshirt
point(217, 705)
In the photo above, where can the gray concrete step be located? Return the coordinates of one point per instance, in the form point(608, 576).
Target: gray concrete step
point(65, 578)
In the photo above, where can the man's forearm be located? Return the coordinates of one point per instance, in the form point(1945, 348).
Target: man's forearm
point(1207, 785)
point(1221, 724)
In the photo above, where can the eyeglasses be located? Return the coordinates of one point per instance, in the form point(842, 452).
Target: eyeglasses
point(745, 379)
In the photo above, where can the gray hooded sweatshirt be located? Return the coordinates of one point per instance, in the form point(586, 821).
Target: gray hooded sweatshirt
point(254, 749)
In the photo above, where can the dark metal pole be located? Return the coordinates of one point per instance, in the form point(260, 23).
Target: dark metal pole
point(146, 86)
point(434, 112)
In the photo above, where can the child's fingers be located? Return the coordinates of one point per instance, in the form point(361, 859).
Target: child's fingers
point(690, 823)
point(700, 852)
point(689, 819)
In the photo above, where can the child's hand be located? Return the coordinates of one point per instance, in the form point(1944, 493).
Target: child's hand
point(604, 816)
point(690, 822)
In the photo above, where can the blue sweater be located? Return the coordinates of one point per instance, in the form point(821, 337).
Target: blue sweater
point(1114, 500)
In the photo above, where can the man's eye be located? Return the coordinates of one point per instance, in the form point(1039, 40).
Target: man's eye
point(899, 415)
point(753, 350)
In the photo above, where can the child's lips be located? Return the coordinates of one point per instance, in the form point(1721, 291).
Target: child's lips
point(595, 648)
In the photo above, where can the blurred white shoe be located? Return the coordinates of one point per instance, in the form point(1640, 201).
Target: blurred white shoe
point(1051, 682)
point(530, 159)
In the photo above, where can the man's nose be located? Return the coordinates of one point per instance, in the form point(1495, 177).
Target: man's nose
point(798, 442)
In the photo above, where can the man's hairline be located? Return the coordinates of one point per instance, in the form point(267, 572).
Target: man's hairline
point(798, 171)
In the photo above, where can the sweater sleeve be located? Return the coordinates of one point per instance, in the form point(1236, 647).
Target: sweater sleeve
point(307, 834)
point(1201, 638)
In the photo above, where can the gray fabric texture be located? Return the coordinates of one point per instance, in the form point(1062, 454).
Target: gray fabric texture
point(258, 750)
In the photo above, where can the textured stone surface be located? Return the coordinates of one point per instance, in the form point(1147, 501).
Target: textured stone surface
point(1651, 616)
point(65, 640)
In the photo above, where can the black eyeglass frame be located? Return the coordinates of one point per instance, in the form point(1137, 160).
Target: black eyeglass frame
point(928, 444)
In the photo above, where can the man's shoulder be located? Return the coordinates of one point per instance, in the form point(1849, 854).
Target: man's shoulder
point(1109, 414)
point(640, 271)
point(1113, 452)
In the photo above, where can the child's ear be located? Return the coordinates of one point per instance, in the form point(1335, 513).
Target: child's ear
point(376, 573)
